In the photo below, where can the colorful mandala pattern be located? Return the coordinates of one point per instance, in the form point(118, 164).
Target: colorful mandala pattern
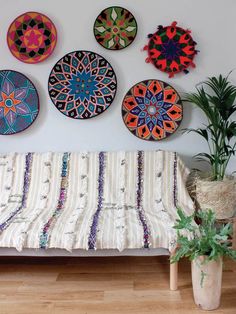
point(32, 37)
point(115, 28)
point(19, 102)
point(82, 85)
point(152, 110)
point(171, 49)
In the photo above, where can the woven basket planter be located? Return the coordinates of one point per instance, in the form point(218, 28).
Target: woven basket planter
point(220, 196)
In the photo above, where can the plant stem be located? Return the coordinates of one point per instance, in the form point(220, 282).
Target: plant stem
point(228, 159)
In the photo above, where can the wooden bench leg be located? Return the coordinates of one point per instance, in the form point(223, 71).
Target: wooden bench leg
point(173, 276)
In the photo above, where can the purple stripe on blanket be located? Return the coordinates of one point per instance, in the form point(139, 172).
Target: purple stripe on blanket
point(93, 230)
point(26, 184)
point(175, 181)
point(45, 235)
point(139, 195)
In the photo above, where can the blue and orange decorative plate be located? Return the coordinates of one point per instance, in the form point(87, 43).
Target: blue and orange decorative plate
point(152, 110)
point(82, 85)
point(19, 102)
point(32, 37)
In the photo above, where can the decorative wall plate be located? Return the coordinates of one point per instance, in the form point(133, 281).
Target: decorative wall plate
point(152, 110)
point(115, 28)
point(82, 84)
point(19, 102)
point(32, 37)
point(171, 49)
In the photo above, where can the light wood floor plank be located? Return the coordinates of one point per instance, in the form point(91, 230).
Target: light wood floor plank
point(124, 285)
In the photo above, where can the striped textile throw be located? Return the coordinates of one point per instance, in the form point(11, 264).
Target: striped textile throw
point(100, 200)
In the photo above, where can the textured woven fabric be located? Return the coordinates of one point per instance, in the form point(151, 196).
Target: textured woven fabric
point(104, 200)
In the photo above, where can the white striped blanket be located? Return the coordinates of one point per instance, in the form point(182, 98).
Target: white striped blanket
point(104, 200)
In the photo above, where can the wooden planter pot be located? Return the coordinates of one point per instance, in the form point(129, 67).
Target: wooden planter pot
point(206, 280)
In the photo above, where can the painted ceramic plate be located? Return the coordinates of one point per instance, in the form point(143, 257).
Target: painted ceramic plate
point(32, 37)
point(82, 85)
point(115, 28)
point(171, 49)
point(19, 102)
point(152, 110)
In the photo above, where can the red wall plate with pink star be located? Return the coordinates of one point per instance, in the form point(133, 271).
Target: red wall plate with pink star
point(32, 37)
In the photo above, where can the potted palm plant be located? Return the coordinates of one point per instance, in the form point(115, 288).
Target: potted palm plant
point(216, 98)
point(205, 245)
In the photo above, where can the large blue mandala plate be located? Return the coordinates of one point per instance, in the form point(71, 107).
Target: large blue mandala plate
point(19, 102)
point(82, 85)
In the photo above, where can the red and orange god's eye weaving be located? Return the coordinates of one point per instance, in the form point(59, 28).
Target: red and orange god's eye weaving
point(32, 37)
point(171, 49)
point(152, 110)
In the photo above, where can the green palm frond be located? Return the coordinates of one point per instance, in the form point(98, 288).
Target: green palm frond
point(216, 98)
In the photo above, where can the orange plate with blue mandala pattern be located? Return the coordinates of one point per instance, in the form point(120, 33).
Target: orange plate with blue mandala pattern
point(152, 110)
point(32, 37)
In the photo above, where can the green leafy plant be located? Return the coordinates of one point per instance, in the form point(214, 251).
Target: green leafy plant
point(216, 98)
point(207, 238)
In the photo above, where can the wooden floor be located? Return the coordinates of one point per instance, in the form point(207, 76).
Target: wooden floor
point(123, 285)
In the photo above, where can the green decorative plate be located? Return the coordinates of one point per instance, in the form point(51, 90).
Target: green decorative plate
point(115, 28)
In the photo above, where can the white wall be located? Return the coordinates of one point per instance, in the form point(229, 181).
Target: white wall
point(213, 27)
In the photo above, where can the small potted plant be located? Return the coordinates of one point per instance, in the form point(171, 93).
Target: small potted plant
point(205, 245)
point(216, 98)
